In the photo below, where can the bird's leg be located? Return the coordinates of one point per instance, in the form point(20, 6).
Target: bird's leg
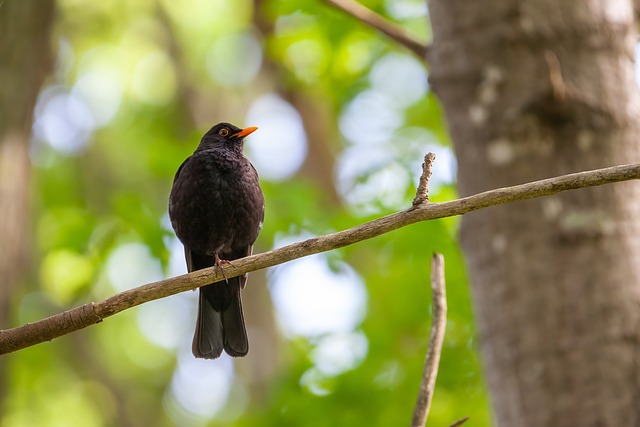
point(218, 265)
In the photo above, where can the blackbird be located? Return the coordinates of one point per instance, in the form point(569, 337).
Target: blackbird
point(216, 208)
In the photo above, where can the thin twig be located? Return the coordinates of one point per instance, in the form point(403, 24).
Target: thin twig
point(89, 314)
point(422, 193)
point(459, 422)
point(436, 338)
point(392, 30)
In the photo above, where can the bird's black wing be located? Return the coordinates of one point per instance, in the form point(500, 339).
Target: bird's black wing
point(175, 178)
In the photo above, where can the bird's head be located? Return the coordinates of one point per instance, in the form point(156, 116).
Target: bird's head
point(227, 135)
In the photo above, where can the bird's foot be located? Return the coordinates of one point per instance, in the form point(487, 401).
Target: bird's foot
point(218, 265)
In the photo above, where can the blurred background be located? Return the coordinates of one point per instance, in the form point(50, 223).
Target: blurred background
point(345, 118)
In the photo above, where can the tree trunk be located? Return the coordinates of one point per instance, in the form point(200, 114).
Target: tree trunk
point(534, 89)
point(25, 52)
point(25, 60)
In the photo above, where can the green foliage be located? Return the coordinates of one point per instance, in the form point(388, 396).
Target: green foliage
point(113, 191)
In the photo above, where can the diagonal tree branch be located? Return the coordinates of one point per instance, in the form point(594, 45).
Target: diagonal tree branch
point(89, 314)
point(390, 29)
point(436, 338)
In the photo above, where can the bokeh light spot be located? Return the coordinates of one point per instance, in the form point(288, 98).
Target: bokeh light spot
point(167, 321)
point(131, 265)
point(235, 59)
point(279, 147)
point(63, 120)
point(64, 273)
point(401, 78)
point(199, 387)
point(312, 299)
point(154, 79)
point(338, 353)
point(369, 119)
point(307, 59)
point(102, 92)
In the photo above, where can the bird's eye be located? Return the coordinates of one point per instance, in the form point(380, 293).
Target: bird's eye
point(223, 132)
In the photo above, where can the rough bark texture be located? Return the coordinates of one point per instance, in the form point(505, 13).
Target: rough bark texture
point(533, 89)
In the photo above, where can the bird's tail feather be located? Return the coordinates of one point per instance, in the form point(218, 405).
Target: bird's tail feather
point(208, 337)
point(220, 322)
point(236, 343)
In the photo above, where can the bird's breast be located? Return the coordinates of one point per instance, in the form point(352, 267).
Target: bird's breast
point(216, 204)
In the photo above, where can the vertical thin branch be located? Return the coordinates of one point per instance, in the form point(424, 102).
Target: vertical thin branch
point(438, 326)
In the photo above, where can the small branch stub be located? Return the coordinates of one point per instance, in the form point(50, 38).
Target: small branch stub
point(436, 338)
point(422, 193)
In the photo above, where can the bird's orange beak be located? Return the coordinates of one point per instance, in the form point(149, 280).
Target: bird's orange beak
point(244, 132)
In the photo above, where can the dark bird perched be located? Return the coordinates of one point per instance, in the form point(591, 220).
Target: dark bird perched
point(216, 209)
